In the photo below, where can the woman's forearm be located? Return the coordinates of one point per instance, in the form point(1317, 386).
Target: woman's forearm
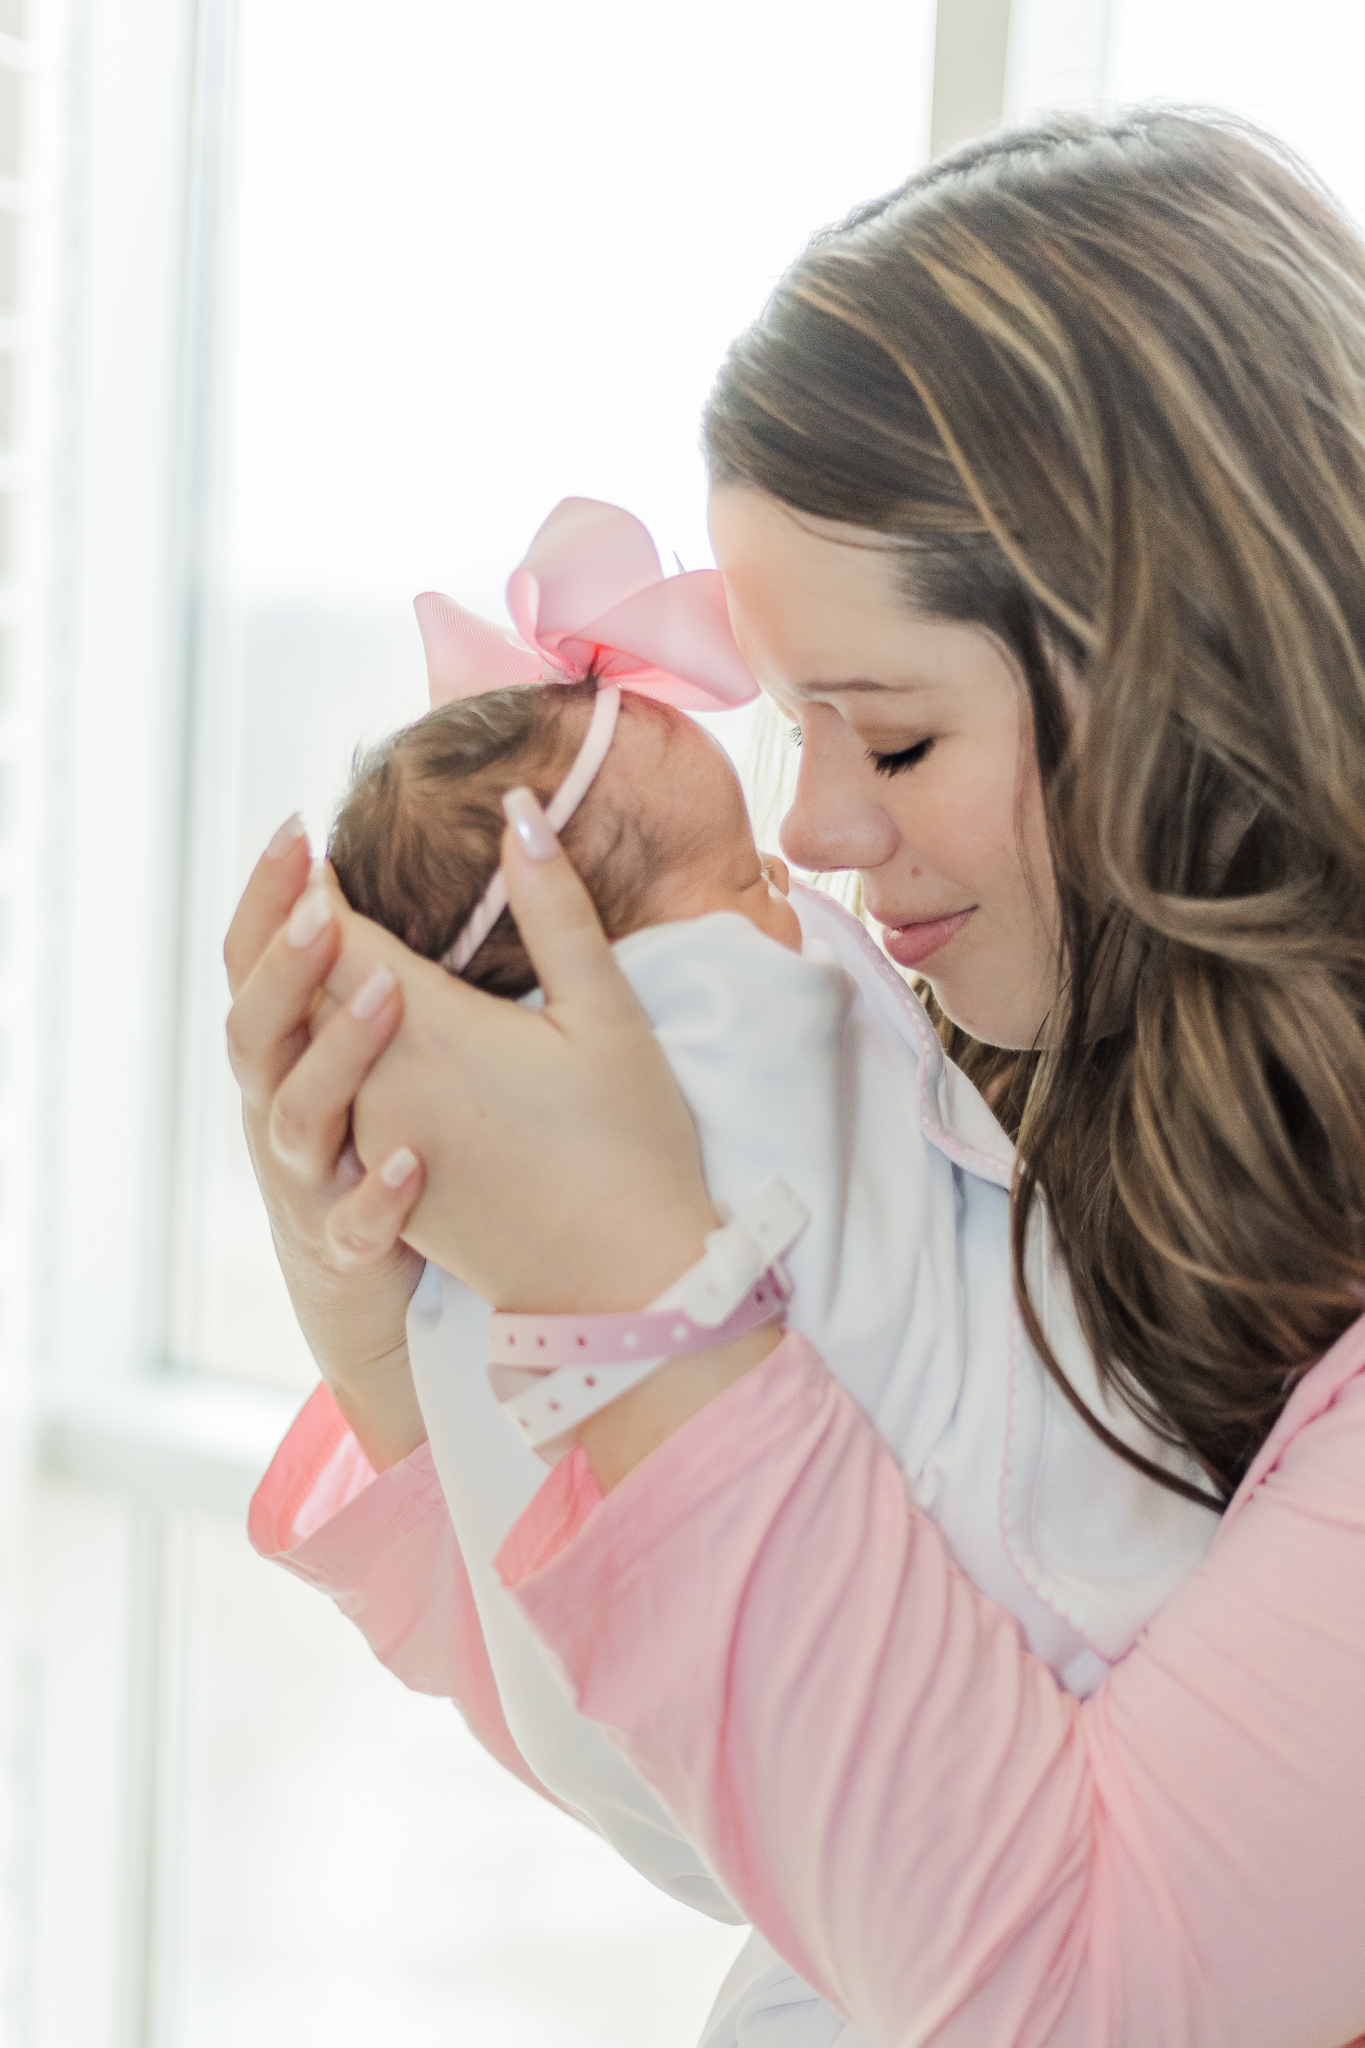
point(337, 1229)
point(380, 1407)
point(902, 1798)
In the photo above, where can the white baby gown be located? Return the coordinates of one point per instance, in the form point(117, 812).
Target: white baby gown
point(823, 1068)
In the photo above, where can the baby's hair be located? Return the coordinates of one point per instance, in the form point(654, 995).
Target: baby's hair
point(418, 835)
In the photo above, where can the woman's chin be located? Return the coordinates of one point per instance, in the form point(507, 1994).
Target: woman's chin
point(1011, 1028)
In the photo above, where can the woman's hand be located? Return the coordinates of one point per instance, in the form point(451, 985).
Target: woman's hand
point(336, 1227)
point(563, 1168)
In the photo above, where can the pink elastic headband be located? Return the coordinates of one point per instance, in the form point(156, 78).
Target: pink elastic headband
point(588, 599)
point(559, 810)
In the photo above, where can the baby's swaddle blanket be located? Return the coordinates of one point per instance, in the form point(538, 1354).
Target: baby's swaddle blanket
point(824, 1069)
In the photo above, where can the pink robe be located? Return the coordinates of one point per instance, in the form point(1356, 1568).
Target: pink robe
point(933, 1833)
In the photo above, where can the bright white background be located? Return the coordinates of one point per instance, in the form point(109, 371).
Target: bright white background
point(487, 260)
point(491, 255)
point(1296, 66)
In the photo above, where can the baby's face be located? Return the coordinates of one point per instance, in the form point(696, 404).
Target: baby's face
point(686, 779)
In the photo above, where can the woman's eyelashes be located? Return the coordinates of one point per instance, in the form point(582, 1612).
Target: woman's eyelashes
point(884, 764)
point(907, 757)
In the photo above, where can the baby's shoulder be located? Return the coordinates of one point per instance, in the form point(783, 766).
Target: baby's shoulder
point(722, 968)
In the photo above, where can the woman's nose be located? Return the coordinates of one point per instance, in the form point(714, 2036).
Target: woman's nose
point(833, 821)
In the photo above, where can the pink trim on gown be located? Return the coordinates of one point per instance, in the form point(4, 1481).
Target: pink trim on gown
point(931, 1831)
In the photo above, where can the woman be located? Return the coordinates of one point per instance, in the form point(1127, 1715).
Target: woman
point(1039, 492)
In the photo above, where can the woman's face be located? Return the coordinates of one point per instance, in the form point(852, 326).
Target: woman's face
point(917, 759)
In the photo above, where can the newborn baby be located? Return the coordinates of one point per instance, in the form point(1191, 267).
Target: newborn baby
point(662, 834)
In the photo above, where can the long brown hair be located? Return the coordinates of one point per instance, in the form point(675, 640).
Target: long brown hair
point(1104, 384)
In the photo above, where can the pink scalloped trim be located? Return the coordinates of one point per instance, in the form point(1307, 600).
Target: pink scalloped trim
point(931, 1052)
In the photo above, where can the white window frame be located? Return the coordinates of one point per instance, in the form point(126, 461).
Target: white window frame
point(125, 1445)
point(117, 1412)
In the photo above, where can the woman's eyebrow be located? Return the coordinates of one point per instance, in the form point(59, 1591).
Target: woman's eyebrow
point(858, 683)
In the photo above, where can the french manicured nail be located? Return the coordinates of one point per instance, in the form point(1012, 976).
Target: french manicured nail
point(398, 1167)
point(289, 834)
point(530, 824)
point(372, 994)
point(310, 915)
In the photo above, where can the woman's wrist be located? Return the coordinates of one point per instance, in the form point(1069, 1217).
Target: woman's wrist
point(379, 1404)
point(646, 1371)
point(355, 1325)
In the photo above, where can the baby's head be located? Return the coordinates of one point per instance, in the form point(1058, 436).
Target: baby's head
point(662, 833)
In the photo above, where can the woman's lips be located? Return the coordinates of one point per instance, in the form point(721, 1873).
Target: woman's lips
point(909, 944)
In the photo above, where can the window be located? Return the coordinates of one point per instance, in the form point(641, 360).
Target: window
point(350, 305)
point(496, 267)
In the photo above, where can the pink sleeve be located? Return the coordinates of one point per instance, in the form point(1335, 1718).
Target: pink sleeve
point(928, 1829)
point(383, 1548)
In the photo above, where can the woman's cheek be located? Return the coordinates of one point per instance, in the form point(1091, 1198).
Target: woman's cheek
point(982, 829)
point(952, 833)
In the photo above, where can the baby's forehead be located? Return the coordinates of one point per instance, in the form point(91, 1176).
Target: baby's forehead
point(664, 761)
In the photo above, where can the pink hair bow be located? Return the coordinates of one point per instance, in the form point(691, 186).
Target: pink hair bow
point(590, 598)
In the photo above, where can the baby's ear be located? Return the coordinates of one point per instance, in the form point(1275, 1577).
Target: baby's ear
point(777, 872)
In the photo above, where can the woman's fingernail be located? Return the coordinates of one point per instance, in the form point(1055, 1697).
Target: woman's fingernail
point(372, 994)
point(289, 834)
point(530, 824)
point(398, 1167)
point(310, 915)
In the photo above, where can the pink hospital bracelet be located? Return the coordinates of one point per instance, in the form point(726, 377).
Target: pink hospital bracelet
point(600, 1357)
point(551, 1341)
point(581, 1363)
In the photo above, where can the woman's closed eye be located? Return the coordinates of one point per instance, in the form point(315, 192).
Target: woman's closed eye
point(907, 757)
